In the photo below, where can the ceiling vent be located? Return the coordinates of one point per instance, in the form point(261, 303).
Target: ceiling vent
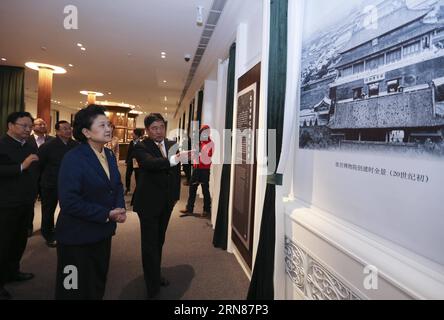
point(212, 20)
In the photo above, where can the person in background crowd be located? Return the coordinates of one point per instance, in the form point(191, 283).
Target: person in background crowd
point(38, 137)
point(201, 173)
point(51, 155)
point(187, 166)
point(113, 145)
point(18, 189)
point(130, 165)
point(91, 202)
point(39, 134)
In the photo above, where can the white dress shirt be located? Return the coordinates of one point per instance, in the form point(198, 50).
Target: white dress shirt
point(39, 140)
point(162, 147)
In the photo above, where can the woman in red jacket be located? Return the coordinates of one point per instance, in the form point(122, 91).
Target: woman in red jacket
point(201, 173)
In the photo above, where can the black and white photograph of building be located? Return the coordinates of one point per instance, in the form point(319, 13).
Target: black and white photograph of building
point(373, 76)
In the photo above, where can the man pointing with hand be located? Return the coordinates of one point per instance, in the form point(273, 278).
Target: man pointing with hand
point(157, 191)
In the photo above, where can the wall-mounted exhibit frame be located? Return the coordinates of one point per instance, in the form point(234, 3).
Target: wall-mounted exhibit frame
point(245, 168)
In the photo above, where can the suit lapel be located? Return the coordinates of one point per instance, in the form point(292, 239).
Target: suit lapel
point(60, 142)
point(95, 163)
point(153, 146)
point(31, 141)
point(72, 144)
point(112, 164)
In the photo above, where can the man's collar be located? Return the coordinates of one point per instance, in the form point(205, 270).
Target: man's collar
point(64, 142)
point(159, 143)
point(103, 154)
point(22, 142)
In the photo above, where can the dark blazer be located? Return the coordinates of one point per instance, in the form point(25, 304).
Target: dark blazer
point(130, 154)
point(86, 197)
point(16, 187)
point(51, 154)
point(33, 143)
point(158, 183)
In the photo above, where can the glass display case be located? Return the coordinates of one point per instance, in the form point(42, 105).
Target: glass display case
point(121, 134)
point(124, 123)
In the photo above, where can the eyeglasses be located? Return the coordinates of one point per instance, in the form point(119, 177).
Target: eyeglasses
point(24, 126)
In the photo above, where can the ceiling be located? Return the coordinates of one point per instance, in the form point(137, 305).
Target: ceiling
point(123, 40)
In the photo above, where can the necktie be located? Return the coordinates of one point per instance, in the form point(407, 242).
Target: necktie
point(160, 145)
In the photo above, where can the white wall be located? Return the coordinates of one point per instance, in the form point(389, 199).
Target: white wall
point(335, 225)
point(249, 49)
point(209, 103)
point(240, 22)
point(235, 12)
point(218, 127)
point(140, 121)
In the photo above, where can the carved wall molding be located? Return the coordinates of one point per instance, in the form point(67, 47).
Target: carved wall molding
point(312, 278)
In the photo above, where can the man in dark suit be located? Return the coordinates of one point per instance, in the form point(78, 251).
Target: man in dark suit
point(137, 136)
point(18, 189)
point(157, 191)
point(51, 154)
point(38, 137)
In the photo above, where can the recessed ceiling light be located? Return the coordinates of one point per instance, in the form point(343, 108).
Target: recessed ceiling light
point(163, 53)
point(71, 65)
point(87, 92)
point(3, 59)
point(166, 108)
point(164, 81)
point(109, 92)
point(79, 45)
point(83, 48)
point(37, 66)
point(165, 99)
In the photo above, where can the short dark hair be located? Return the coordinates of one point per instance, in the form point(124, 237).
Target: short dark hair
point(58, 123)
point(12, 118)
point(153, 117)
point(139, 132)
point(84, 120)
